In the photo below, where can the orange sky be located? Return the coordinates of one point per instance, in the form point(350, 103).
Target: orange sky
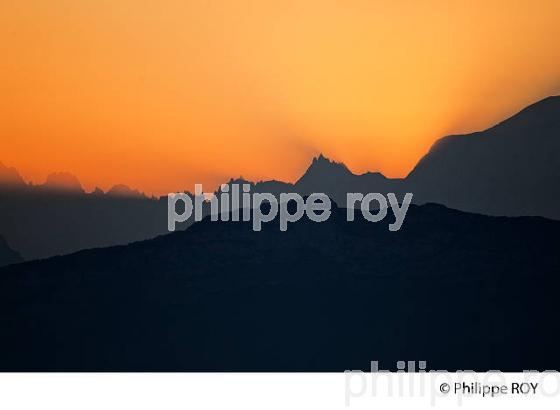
point(162, 94)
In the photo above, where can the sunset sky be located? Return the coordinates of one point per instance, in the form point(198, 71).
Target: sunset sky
point(163, 94)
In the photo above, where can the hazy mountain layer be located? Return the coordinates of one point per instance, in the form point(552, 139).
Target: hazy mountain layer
point(7, 255)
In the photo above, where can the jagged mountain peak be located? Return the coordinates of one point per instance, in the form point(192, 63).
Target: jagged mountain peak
point(323, 167)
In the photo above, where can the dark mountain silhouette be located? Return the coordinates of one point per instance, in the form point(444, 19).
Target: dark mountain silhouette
point(336, 180)
point(7, 255)
point(509, 169)
point(461, 291)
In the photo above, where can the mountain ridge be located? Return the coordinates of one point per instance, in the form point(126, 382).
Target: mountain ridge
point(510, 169)
point(328, 296)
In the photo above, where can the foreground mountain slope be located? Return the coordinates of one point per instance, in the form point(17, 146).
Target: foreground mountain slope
point(461, 291)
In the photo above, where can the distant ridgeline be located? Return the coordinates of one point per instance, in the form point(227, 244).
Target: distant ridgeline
point(511, 169)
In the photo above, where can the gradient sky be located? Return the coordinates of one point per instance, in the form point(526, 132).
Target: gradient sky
point(165, 93)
